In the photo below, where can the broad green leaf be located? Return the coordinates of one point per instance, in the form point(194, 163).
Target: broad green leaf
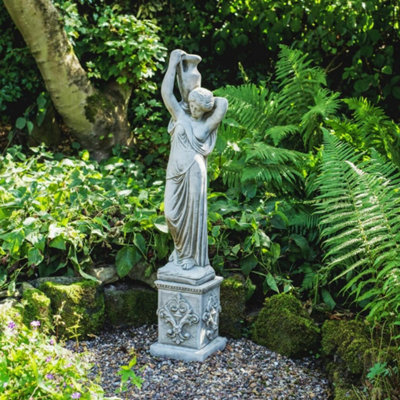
point(272, 282)
point(247, 264)
point(161, 225)
point(58, 243)
point(20, 123)
point(126, 259)
point(140, 243)
point(35, 257)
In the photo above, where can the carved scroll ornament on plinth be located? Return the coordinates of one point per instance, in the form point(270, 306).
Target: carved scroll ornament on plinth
point(177, 312)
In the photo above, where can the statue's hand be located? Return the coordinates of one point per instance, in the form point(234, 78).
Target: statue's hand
point(176, 56)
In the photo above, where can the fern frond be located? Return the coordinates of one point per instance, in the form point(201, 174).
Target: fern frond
point(360, 222)
point(249, 106)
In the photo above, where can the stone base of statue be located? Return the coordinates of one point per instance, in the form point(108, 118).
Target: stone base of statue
point(188, 317)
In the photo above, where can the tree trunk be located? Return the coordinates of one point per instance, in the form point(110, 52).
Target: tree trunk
point(98, 119)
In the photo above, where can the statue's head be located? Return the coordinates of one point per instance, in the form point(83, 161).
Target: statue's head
point(200, 101)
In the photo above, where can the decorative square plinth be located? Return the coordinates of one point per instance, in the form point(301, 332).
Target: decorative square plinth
point(188, 319)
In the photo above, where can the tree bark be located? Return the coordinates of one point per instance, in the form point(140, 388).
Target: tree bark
point(98, 119)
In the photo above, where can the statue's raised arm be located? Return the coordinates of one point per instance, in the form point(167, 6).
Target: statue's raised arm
point(167, 87)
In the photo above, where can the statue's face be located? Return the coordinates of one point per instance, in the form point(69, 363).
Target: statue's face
point(196, 110)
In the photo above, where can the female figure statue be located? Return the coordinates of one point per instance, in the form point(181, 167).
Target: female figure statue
point(193, 130)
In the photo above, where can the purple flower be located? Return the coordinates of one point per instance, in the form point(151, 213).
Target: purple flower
point(52, 341)
point(12, 325)
point(69, 365)
point(49, 376)
point(75, 395)
point(48, 359)
point(35, 324)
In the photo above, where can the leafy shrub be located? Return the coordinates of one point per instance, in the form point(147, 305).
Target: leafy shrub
point(64, 215)
point(32, 365)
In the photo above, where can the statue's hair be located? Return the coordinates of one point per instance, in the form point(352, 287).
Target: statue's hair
point(203, 97)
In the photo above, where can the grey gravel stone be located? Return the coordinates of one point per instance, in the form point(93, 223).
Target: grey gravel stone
point(244, 370)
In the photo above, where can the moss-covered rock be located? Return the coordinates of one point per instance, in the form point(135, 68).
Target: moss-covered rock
point(36, 307)
point(285, 327)
point(79, 305)
point(233, 299)
point(348, 340)
point(130, 305)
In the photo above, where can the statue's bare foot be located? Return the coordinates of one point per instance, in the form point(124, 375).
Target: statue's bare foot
point(188, 264)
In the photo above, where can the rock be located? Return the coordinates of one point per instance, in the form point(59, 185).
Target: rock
point(36, 307)
point(80, 306)
point(63, 280)
point(285, 327)
point(104, 274)
point(130, 305)
point(348, 340)
point(140, 273)
point(233, 299)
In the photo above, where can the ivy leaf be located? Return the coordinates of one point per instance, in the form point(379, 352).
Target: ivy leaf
point(126, 259)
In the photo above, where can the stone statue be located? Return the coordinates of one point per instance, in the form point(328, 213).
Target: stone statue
point(193, 129)
point(188, 290)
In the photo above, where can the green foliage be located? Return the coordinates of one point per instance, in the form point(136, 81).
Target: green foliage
point(62, 215)
point(113, 45)
point(34, 365)
point(360, 207)
point(128, 376)
point(369, 129)
point(18, 71)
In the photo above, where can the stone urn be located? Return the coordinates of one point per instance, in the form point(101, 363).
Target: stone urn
point(188, 77)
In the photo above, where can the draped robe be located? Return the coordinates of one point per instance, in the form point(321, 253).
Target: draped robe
point(185, 200)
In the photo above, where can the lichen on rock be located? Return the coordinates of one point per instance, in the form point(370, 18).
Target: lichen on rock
point(285, 327)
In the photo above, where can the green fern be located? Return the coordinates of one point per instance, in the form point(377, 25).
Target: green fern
point(360, 224)
point(369, 129)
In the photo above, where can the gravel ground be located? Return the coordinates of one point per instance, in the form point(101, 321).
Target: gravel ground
point(244, 370)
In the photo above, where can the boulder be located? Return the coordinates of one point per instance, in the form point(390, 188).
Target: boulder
point(104, 274)
point(284, 326)
point(128, 305)
point(140, 273)
point(78, 307)
point(233, 302)
point(36, 308)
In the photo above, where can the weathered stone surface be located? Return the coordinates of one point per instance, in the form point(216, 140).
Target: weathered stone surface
point(139, 273)
point(62, 280)
point(188, 318)
point(285, 327)
point(233, 302)
point(130, 305)
point(193, 130)
point(80, 306)
point(104, 274)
